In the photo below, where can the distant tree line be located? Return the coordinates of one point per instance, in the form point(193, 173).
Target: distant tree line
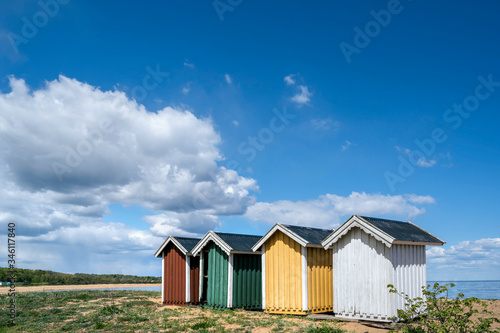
point(35, 277)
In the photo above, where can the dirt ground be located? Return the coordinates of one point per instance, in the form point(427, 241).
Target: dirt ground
point(21, 289)
point(493, 305)
point(349, 326)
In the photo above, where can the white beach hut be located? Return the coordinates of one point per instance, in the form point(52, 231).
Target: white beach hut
point(370, 253)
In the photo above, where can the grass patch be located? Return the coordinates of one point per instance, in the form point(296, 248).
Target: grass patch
point(130, 311)
point(323, 328)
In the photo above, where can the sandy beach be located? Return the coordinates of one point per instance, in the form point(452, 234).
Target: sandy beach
point(21, 289)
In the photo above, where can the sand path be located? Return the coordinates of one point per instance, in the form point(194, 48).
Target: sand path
point(21, 289)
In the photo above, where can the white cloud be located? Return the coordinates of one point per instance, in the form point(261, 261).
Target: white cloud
point(302, 97)
point(424, 163)
point(236, 123)
point(186, 89)
point(325, 124)
point(188, 64)
point(468, 259)
point(70, 149)
point(330, 210)
point(420, 199)
point(229, 79)
point(99, 248)
point(347, 144)
point(289, 79)
point(467, 252)
point(190, 224)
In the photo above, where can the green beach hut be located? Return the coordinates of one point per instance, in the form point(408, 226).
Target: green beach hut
point(230, 272)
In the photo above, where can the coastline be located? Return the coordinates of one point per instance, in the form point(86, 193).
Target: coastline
point(24, 289)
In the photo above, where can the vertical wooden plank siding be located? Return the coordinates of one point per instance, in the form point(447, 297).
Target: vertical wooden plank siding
point(217, 277)
point(319, 280)
point(362, 271)
point(195, 280)
point(283, 276)
point(247, 277)
point(409, 271)
point(174, 282)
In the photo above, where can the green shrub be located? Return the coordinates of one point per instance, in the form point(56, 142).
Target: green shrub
point(84, 297)
point(435, 313)
point(110, 310)
point(205, 323)
point(324, 328)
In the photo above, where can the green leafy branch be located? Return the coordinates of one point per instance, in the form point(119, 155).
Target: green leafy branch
point(435, 313)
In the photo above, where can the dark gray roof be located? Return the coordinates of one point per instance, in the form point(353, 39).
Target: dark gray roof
point(187, 243)
point(312, 235)
point(402, 231)
point(239, 242)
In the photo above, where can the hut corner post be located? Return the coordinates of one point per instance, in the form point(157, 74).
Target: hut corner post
point(163, 277)
point(230, 281)
point(263, 258)
point(304, 279)
point(200, 293)
point(188, 279)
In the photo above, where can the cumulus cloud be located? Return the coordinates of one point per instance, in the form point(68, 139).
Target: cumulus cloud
point(330, 210)
point(90, 248)
point(289, 79)
point(467, 260)
point(302, 97)
point(70, 149)
point(190, 224)
point(483, 254)
point(229, 79)
point(420, 199)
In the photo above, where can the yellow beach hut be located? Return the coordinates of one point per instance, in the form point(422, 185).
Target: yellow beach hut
point(296, 270)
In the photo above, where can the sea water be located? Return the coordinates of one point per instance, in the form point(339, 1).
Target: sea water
point(480, 289)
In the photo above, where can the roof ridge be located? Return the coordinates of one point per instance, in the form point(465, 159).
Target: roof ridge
point(234, 234)
point(302, 226)
point(378, 218)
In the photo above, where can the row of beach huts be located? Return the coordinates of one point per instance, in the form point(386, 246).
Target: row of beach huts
point(300, 270)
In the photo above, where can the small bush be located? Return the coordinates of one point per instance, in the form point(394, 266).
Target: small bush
point(205, 323)
point(110, 310)
point(323, 328)
point(84, 297)
point(436, 314)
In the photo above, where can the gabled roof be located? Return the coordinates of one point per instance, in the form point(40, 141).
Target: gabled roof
point(387, 231)
point(184, 244)
point(305, 236)
point(227, 242)
point(311, 235)
point(239, 242)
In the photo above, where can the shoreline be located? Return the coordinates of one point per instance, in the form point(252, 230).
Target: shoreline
point(24, 289)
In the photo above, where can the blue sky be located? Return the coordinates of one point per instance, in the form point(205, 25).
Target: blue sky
point(122, 123)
